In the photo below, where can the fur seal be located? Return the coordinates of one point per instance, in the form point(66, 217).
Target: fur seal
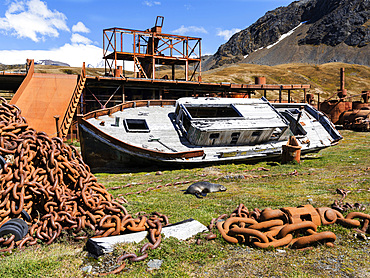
point(204, 187)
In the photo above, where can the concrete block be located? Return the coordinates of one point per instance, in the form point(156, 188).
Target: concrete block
point(181, 230)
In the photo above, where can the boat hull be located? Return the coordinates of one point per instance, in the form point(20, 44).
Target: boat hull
point(104, 156)
point(104, 151)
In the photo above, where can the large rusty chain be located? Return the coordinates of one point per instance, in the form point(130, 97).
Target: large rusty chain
point(294, 227)
point(45, 182)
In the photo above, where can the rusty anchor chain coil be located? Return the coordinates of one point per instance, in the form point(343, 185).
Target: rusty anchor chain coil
point(293, 227)
point(46, 183)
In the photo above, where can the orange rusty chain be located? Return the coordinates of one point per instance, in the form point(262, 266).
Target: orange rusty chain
point(47, 180)
point(282, 227)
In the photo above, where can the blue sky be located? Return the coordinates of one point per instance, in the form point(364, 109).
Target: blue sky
point(71, 30)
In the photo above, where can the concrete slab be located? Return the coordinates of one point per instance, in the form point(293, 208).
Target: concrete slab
point(181, 230)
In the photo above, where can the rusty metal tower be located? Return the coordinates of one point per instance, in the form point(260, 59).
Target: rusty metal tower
point(150, 49)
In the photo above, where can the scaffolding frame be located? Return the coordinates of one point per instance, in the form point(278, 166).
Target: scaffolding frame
point(150, 49)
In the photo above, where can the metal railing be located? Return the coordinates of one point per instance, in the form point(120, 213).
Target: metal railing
point(68, 117)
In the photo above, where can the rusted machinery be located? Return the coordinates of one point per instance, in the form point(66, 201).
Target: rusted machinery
point(350, 114)
point(359, 117)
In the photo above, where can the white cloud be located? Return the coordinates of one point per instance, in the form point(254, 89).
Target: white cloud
point(32, 19)
point(15, 7)
point(80, 28)
point(189, 29)
point(151, 3)
point(72, 54)
point(227, 34)
point(77, 38)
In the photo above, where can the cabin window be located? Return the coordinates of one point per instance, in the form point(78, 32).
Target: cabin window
point(234, 138)
point(256, 133)
point(136, 125)
point(197, 112)
point(214, 135)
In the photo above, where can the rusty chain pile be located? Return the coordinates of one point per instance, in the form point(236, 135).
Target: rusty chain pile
point(294, 227)
point(45, 182)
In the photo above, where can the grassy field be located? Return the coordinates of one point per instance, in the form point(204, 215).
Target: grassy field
point(346, 166)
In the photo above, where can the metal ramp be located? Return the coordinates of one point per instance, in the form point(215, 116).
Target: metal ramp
point(46, 98)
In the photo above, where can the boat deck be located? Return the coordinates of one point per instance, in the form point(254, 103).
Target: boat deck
point(160, 123)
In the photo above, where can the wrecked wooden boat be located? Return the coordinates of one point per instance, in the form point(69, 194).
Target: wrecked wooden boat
point(191, 132)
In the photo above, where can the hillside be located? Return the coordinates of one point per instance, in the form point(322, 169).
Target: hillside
point(52, 69)
point(324, 79)
point(306, 31)
point(68, 70)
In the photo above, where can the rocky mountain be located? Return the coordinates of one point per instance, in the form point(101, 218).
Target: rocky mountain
point(306, 31)
point(51, 63)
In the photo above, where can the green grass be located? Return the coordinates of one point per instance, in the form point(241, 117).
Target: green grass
point(56, 260)
point(343, 166)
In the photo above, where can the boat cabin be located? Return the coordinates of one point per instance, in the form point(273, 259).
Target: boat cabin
point(229, 122)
